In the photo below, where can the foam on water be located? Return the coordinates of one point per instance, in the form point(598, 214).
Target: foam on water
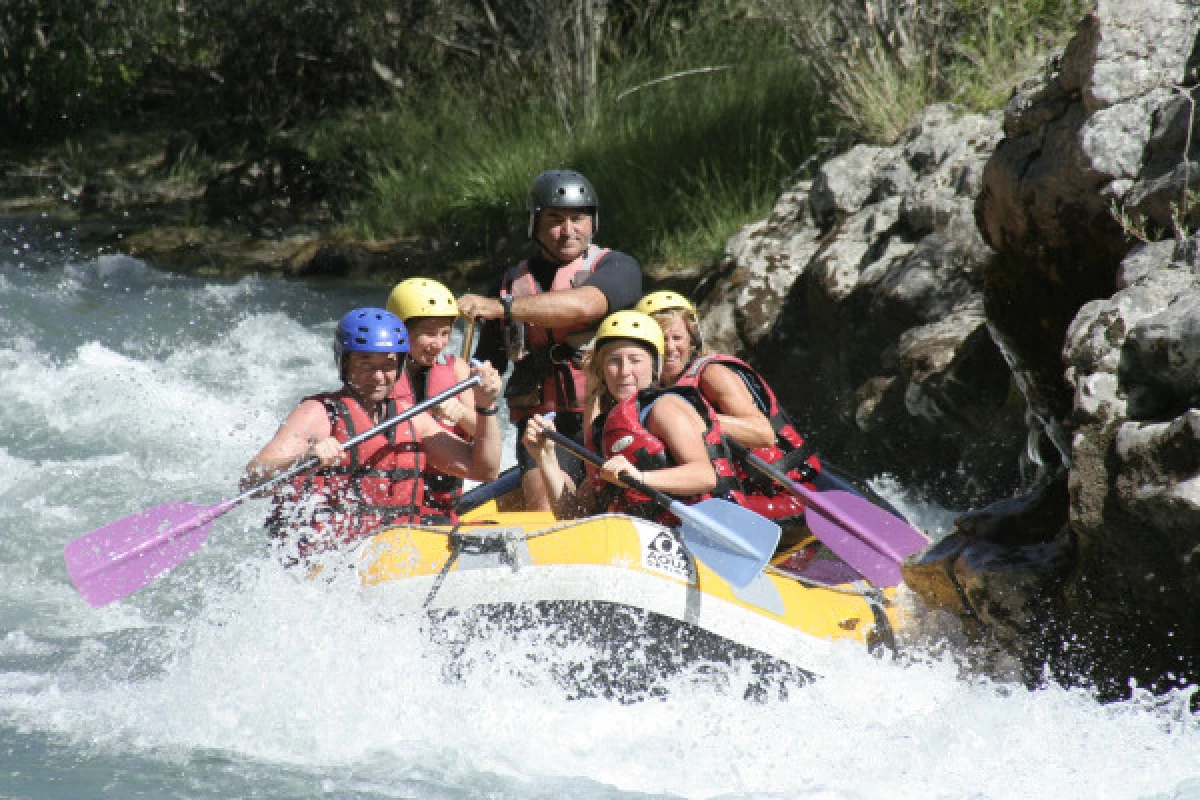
point(127, 387)
point(308, 674)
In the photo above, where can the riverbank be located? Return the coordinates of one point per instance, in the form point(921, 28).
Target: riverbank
point(148, 196)
point(153, 196)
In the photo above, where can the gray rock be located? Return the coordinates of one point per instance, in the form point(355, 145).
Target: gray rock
point(899, 301)
point(870, 280)
point(1101, 325)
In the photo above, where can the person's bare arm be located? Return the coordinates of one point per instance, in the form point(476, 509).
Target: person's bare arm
point(307, 426)
point(738, 413)
point(456, 409)
point(676, 423)
point(479, 459)
point(548, 309)
point(569, 500)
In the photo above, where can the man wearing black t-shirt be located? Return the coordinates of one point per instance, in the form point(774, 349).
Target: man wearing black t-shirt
point(545, 310)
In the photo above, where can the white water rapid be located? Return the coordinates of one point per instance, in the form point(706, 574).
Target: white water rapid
point(125, 387)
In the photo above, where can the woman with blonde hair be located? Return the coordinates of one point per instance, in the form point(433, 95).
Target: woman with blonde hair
point(743, 402)
point(669, 440)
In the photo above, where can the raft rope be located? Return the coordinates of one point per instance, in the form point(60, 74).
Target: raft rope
point(811, 584)
point(501, 531)
point(456, 547)
point(862, 589)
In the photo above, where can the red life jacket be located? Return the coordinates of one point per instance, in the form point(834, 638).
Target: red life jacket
point(622, 431)
point(549, 378)
point(789, 451)
point(376, 484)
point(442, 489)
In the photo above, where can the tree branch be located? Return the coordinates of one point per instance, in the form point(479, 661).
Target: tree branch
point(665, 78)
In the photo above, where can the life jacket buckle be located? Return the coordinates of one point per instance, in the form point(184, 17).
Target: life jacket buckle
point(561, 353)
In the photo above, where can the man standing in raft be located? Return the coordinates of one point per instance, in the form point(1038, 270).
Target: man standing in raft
point(380, 482)
point(545, 310)
point(429, 310)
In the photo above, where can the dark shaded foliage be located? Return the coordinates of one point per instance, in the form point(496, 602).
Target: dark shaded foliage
point(270, 64)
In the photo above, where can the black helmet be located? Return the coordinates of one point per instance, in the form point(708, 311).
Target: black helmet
point(561, 188)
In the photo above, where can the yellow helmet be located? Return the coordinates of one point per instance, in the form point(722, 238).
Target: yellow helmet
point(632, 325)
point(665, 300)
point(421, 297)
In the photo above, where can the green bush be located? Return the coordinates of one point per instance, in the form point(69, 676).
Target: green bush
point(680, 159)
point(881, 62)
point(689, 116)
point(66, 64)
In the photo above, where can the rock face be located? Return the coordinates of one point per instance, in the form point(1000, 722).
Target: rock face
point(1135, 469)
point(875, 295)
point(1098, 151)
point(1098, 136)
point(861, 298)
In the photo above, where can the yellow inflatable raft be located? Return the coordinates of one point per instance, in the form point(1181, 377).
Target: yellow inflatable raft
point(793, 611)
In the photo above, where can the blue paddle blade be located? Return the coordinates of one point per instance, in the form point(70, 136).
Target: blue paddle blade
point(732, 541)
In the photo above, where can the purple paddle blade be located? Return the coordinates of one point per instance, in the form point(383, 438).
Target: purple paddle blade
point(868, 538)
point(123, 556)
point(114, 561)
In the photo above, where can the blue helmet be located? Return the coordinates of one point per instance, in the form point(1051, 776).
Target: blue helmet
point(369, 330)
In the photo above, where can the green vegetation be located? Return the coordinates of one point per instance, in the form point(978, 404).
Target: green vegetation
point(689, 116)
point(882, 61)
point(679, 165)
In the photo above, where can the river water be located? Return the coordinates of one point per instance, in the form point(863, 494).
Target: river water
point(125, 387)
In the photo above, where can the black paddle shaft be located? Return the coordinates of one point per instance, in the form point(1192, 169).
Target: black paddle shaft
point(774, 473)
point(575, 447)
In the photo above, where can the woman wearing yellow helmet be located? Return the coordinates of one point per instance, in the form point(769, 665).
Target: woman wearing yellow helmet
point(681, 330)
point(668, 440)
point(429, 311)
point(729, 394)
point(744, 403)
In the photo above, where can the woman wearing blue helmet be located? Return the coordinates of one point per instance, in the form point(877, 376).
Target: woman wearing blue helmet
point(381, 482)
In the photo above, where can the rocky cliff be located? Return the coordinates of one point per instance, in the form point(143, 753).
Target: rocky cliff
point(1007, 312)
point(861, 297)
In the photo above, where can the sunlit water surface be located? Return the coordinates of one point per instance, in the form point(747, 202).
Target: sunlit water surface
point(126, 387)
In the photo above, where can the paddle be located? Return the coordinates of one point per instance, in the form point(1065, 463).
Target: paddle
point(865, 536)
point(733, 541)
point(505, 482)
point(468, 340)
point(115, 561)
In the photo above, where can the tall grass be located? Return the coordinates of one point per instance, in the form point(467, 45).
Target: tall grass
point(882, 61)
point(699, 128)
point(1005, 44)
point(678, 164)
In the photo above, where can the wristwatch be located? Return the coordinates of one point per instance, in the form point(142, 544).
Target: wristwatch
point(506, 300)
